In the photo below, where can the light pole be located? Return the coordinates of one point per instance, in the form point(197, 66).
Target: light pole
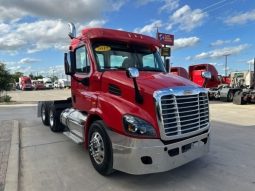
point(226, 64)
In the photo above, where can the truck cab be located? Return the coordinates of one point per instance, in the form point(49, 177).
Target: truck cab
point(125, 108)
point(25, 83)
point(180, 71)
point(196, 72)
point(48, 83)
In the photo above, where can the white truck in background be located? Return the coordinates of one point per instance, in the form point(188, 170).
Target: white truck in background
point(48, 83)
point(62, 83)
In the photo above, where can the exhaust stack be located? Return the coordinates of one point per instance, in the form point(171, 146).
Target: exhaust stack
point(72, 33)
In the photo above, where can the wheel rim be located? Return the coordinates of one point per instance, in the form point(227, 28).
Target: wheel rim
point(97, 148)
point(43, 113)
point(51, 118)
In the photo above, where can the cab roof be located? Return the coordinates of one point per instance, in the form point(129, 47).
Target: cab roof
point(117, 35)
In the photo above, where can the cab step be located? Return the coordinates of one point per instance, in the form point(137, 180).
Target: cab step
point(75, 136)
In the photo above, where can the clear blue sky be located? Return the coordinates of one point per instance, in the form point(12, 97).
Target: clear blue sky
point(33, 33)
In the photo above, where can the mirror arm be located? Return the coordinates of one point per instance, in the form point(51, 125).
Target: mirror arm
point(84, 81)
point(138, 96)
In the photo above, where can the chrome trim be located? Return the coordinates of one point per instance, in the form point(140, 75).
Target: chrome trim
point(132, 150)
point(74, 120)
point(51, 116)
point(178, 91)
point(133, 72)
point(96, 148)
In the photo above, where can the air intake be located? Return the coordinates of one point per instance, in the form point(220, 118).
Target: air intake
point(115, 90)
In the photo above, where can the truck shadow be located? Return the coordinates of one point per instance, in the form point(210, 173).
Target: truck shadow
point(165, 180)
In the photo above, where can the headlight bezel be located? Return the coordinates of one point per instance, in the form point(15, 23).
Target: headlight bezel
point(137, 127)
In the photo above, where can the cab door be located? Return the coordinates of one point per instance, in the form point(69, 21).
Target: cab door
point(81, 95)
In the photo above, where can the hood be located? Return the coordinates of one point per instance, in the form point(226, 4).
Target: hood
point(148, 82)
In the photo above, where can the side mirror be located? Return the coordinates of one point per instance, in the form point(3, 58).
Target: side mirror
point(167, 65)
point(72, 33)
point(207, 75)
point(132, 72)
point(69, 62)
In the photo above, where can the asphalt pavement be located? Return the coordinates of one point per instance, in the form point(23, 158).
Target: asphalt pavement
point(50, 161)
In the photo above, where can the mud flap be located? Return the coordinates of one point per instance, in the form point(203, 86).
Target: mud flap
point(39, 107)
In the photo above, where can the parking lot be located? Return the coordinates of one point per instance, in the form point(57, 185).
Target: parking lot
point(39, 95)
point(50, 161)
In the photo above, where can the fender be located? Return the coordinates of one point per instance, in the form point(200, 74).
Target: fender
point(111, 109)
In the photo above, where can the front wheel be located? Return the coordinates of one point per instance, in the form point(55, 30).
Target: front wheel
point(100, 148)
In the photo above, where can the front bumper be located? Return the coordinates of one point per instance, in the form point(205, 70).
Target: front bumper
point(143, 156)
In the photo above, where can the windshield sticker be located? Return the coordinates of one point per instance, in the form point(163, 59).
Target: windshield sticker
point(103, 48)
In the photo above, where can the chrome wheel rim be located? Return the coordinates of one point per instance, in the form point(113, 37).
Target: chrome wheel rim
point(51, 118)
point(43, 113)
point(97, 148)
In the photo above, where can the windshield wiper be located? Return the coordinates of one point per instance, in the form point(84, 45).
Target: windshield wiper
point(150, 70)
point(113, 68)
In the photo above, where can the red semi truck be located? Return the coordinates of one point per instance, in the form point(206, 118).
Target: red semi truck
point(196, 74)
point(25, 83)
point(180, 71)
point(125, 108)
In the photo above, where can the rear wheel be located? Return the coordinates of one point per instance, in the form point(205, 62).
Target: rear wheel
point(45, 115)
point(230, 96)
point(100, 148)
point(54, 120)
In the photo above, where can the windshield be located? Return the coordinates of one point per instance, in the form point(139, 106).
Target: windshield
point(120, 56)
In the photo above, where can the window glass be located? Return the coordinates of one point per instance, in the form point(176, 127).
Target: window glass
point(116, 60)
point(149, 61)
point(82, 60)
point(120, 56)
point(100, 59)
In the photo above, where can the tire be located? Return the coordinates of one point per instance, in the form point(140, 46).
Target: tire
point(97, 135)
point(239, 98)
point(230, 96)
point(45, 115)
point(54, 120)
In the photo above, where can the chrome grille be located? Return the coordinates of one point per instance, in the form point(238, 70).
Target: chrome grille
point(184, 114)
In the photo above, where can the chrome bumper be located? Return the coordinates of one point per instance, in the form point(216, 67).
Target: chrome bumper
point(128, 153)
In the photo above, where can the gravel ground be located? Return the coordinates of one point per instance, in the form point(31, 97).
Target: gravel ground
point(39, 95)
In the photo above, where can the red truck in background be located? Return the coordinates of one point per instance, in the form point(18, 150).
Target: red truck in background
point(225, 79)
point(129, 113)
point(25, 83)
point(180, 71)
point(38, 85)
point(196, 75)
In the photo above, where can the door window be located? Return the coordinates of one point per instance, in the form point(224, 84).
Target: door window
point(82, 60)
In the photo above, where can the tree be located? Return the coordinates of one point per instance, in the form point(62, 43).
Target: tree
point(54, 78)
point(5, 79)
point(38, 77)
point(32, 76)
point(17, 75)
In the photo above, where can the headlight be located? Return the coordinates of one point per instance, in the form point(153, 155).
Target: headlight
point(138, 127)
